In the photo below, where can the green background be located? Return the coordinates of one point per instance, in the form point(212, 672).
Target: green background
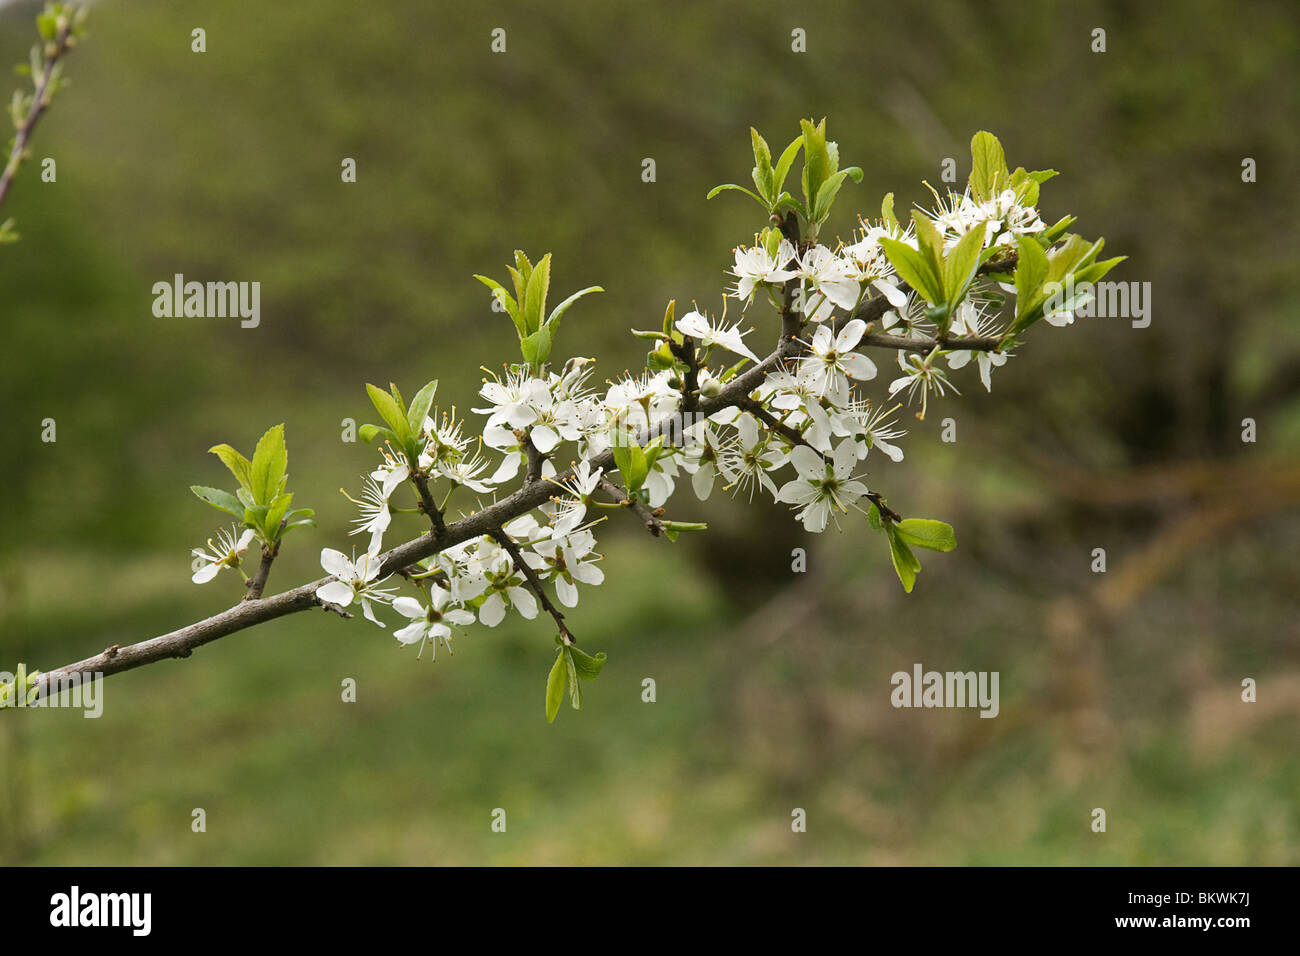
point(1119, 691)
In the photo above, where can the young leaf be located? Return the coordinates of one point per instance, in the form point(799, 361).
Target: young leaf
point(988, 166)
point(539, 284)
point(587, 666)
point(239, 466)
point(270, 459)
point(913, 268)
point(575, 685)
point(369, 433)
point(390, 411)
point(221, 500)
point(415, 415)
point(555, 687)
point(275, 514)
point(927, 533)
point(887, 211)
point(748, 192)
point(905, 563)
point(507, 302)
point(783, 165)
point(558, 312)
point(960, 264)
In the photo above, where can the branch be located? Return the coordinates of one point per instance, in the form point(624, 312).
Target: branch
point(246, 614)
point(534, 582)
point(873, 309)
point(40, 103)
point(638, 507)
point(794, 436)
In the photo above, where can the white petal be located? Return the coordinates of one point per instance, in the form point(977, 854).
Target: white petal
point(411, 633)
point(493, 610)
point(409, 607)
point(336, 592)
point(336, 563)
point(808, 463)
point(544, 438)
point(205, 573)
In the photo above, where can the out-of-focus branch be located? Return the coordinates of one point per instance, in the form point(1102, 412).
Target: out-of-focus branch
point(40, 103)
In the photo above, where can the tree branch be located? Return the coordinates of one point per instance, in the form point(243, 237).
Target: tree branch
point(40, 103)
point(534, 582)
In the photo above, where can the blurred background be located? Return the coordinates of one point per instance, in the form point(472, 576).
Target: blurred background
point(1118, 690)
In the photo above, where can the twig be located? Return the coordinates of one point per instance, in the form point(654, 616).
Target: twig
point(637, 506)
point(40, 103)
point(534, 582)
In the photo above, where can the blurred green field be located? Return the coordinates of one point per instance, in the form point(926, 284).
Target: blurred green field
point(1118, 691)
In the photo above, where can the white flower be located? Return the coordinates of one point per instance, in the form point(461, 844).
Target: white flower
point(822, 485)
point(355, 579)
point(226, 553)
point(375, 516)
point(568, 559)
point(745, 463)
point(506, 590)
point(698, 327)
point(754, 267)
point(833, 361)
point(430, 622)
point(919, 375)
point(970, 320)
point(581, 486)
point(834, 280)
point(465, 472)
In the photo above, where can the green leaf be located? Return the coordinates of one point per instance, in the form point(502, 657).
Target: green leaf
point(762, 172)
point(575, 686)
point(783, 166)
point(275, 514)
point(913, 268)
point(927, 533)
point(239, 466)
point(632, 464)
point(887, 211)
point(829, 189)
point(221, 500)
point(988, 166)
point(905, 564)
point(415, 415)
point(507, 301)
point(539, 285)
point(369, 433)
point(1031, 270)
point(390, 411)
point(674, 528)
point(748, 192)
point(873, 517)
point(555, 687)
point(536, 348)
point(960, 264)
point(817, 163)
point(557, 313)
point(587, 666)
point(270, 459)
point(931, 245)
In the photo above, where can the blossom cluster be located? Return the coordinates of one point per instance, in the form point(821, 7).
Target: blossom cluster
point(800, 434)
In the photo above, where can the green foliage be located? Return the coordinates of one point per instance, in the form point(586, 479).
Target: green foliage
point(820, 180)
point(260, 502)
point(572, 666)
point(403, 424)
point(527, 307)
